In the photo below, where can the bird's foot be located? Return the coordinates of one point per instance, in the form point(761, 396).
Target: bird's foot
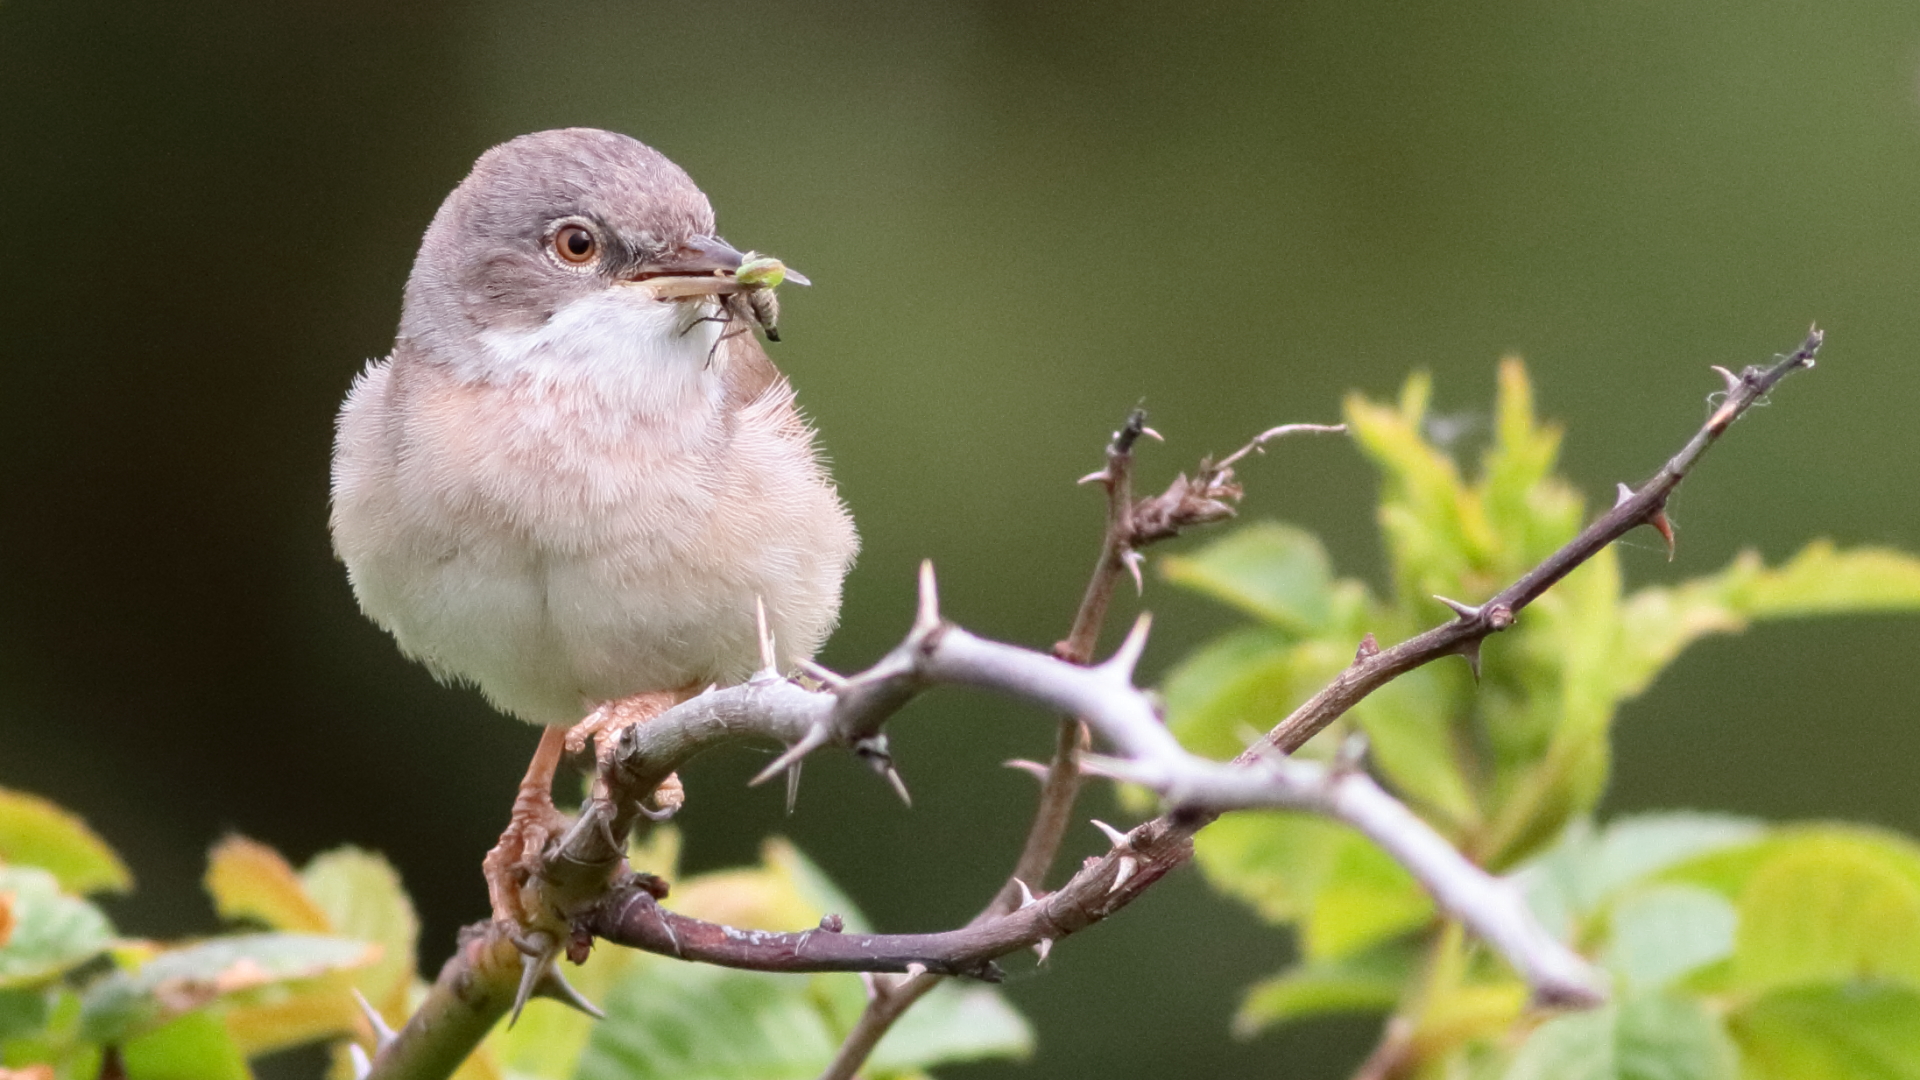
point(513, 865)
point(604, 724)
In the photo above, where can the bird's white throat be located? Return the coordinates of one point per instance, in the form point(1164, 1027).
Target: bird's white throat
point(638, 355)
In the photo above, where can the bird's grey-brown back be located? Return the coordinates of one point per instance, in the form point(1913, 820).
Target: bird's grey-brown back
point(560, 487)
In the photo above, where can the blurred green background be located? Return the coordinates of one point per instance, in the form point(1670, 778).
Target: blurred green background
point(1021, 219)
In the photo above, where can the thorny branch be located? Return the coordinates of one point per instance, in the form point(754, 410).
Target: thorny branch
point(585, 882)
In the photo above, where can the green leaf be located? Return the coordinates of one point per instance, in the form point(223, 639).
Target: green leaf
point(1245, 680)
point(242, 967)
point(1410, 738)
point(51, 931)
point(194, 1047)
point(249, 880)
point(1660, 622)
point(1668, 931)
point(694, 1022)
point(1829, 907)
point(1345, 894)
point(35, 832)
point(1831, 1033)
point(1369, 981)
point(956, 1022)
point(1589, 867)
point(1532, 511)
point(1649, 1037)
point(362, 898)
point(1271, 571)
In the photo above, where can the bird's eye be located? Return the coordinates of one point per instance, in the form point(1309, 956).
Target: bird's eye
point(575, 244)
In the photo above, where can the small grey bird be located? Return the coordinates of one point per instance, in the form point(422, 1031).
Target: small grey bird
point(578, 474)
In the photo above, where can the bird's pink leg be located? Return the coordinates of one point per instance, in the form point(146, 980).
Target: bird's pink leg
point(510, 866)
point(605, 723)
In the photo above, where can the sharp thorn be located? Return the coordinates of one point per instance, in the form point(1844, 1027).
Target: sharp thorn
point(928, 618)
point(362, 1068)
point(768, 662)
point(1124, 659)
point(1623, 493)
point(1732, 380)
point(1043, 947)
point(1471, 650)
point(1152, 434)
point(1117, 838)
point(814, 739)
point(1112, 768)
point(833, 680)
point(656, 813)
point(899, 786)
point(382, 1034)
point(1031, 768)
point(533, 968)
point(556, 988)
point(1664, 526)
point(1100, 477)
point(1121, 873)
point(916, 969)
point(1026, 894)
point(793, 785)
point(1133, 561)
point(1465, 611)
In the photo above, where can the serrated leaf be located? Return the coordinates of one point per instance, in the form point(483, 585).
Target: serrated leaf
point(1819, 580)
point(1271, 571)
point(1831, 1033)
point(1649, 1037)
point(1369, 981)
point(36, 832)
point(1667, 931)
point(1829, 907)
point(51, 931)
point(194, 1047)
point(1344, 893)
point(249, 880)
point(242, 967)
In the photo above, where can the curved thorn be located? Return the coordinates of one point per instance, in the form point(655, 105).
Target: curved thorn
point(1622, 494)
point(928, 618)
point(1026, 894)
point(1093, 477)
point(1115, 837)
point(1043, 947)
point(555, 987)
point(362, 1068)
point(1465, 611)
point(1133, 561)
point(1031, 768)
point(1152, 434)
point(833, 680)
point(916, 969)
point(1664, 526)
point(1471, 650)
point(793, 785)
point(1120, 875)
point(382, 1033)
point(1124, 658)
point(1732, 380)
point(814, 739)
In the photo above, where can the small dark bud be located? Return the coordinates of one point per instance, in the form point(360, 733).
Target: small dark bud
point(832, 924)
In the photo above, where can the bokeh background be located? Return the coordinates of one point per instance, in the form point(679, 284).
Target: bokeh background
point(1022, 219)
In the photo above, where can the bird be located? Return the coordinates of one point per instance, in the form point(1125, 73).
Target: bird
point(577, 477)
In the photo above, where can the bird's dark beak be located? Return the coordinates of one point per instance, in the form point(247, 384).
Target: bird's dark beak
point(702, 256)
